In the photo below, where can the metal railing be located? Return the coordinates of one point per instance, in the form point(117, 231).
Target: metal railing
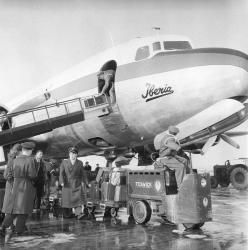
point(67, 107)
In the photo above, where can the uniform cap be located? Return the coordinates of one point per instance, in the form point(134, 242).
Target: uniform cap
point(28, 145)
point(173, 130)
point(73, 150)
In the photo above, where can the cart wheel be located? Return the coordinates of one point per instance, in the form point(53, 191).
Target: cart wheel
point(114, 212)
point(141, 212)
point(214, 182)
point(193, 226)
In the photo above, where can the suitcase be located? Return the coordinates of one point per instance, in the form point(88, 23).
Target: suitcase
point(108, 191)
point(120, 193)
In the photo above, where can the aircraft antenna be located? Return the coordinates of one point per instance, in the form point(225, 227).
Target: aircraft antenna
point(157, 29)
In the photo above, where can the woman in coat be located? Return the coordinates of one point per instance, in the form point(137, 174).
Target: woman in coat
point(73, 180)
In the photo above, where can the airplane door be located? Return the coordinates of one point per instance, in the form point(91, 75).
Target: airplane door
point(106, 80)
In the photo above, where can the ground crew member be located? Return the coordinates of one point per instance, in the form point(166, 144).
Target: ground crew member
point(73, 180)
point(106, 84)
point(41, 179)
point(169, 147)
point(23, 192)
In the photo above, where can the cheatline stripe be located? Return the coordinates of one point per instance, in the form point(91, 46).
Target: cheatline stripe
point(162, 62)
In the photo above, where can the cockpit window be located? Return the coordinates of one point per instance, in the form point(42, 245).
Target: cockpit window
point(142, 53)
point(175, 45)
point(156, 46)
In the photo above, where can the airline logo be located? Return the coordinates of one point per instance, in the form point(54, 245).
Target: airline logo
point(143, 184)
point(153, 93)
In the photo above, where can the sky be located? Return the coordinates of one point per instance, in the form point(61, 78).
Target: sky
point(40, 39)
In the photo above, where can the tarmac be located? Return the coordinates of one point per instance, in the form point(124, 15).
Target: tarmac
point(228, 230)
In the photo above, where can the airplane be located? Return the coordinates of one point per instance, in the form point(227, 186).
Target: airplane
point(159, 81)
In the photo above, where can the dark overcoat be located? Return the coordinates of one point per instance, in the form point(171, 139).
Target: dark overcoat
point(73, 176)
point(9, 177)
point(22, 194)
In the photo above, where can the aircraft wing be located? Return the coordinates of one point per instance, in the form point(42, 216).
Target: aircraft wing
point(205, 128)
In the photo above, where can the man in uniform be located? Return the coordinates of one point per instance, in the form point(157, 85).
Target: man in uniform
point(23, 192)
point(169, 148)
point(73, 181)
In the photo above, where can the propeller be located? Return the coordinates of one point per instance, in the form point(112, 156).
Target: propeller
point(208, 144)
point(229, 140)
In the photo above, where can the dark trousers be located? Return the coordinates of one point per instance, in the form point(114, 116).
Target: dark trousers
point(20, 221)
point(67, 212)
point(39, 194)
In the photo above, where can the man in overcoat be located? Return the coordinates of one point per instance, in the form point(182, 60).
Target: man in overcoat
point(73, 180)
point(22, 195)
point(41, 179)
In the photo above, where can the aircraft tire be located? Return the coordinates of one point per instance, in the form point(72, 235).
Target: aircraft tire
point(214, 182)
point(239, 178)
point(141, 212)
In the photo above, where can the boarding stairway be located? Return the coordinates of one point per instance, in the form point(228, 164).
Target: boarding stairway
point(46, 118)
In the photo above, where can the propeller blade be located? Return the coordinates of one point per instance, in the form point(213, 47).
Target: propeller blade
point(208, 144)
point(229, 140)
point(236, 133)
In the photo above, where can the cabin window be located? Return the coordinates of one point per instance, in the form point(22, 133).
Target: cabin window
point(156, 46)
point(142, 53)
point(177, 45)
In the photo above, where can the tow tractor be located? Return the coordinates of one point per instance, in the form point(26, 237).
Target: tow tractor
point(235, 171)
point(146, 192)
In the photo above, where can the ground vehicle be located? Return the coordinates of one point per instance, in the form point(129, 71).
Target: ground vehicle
point(154, 191)
point(235, 171)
